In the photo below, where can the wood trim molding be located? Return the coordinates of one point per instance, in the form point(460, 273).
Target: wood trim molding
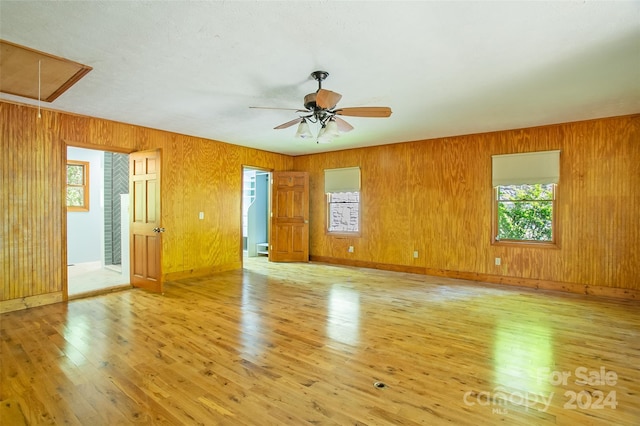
point(101, 291)
point(106, 148)
point(597, 291)
point(366, 264)
point(588, 290)
point(30, 302)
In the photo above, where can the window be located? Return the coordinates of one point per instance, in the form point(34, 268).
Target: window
point(344, 212)
point(525, 212)
point(342, 187)
point(525, 197)
point(77, 186)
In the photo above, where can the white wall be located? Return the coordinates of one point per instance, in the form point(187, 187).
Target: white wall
point(85, 233)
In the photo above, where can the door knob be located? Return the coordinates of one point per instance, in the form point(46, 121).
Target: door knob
point(158, 230)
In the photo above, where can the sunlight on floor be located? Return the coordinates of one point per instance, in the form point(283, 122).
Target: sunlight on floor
point(91, 276)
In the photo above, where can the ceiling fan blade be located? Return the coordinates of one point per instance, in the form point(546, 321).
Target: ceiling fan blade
point(288, 124)
point(283, 109)
point(365, 111)
point(343, 126)
point(327, 99)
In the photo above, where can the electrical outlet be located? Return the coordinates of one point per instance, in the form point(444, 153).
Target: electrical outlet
point(201, 215)
point(350, 249)
point(415, 254)
point(497, 261)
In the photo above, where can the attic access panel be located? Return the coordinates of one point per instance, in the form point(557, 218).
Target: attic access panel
point(19, 72)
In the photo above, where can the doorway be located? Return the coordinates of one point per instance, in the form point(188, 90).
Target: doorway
point(98, 235)
point(255, 212)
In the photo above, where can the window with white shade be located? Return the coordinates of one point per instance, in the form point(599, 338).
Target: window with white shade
point(525, 197)
point(342, 189)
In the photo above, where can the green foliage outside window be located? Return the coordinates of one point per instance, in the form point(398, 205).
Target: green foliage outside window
point(77, 186)
point(525, 212)
point(75, 174)
point(75, 197)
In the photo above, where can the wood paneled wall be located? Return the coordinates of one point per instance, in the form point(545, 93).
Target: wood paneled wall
point(31, 205)
point(198, 176)
point(435, 196)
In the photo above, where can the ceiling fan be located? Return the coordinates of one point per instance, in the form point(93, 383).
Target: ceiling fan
point(320, 107)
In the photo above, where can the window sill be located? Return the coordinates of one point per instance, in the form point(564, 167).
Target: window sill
point(526, 244)
point(343, 234)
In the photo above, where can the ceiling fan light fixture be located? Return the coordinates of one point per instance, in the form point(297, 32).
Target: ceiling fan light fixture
point(332, 128)
point(320, 109)
point(303, 131)
point(324, 135)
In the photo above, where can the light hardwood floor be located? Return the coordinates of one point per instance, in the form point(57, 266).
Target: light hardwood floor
point(304, 344)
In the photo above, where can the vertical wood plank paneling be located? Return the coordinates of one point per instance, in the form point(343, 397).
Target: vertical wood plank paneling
point(189, 193)
point(172, 202)
point(19, 218)
point(450, 201)
point(199, 175)
point(387, 218)
point(230, 225)
point(431, 195)
point(8, 139)
point(28, 197)
point(418, 188)
point(4, 201)
point(40, 203)
point(220, 214)
point(58, 207)
point(17, 184)
point(29, 172)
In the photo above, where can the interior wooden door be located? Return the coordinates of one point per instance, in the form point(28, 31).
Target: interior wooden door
point(145, 220)
point(289, 217)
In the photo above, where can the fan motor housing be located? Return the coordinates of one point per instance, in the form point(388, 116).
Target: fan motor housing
point(310, 101)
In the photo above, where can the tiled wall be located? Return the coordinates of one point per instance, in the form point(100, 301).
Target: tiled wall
point(116, 182)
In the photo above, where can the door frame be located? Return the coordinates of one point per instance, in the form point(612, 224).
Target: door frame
point(63, 194)
point(259, 169)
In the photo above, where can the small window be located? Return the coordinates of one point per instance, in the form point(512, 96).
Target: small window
point(343, 212)
point(525, 213)
point(77, 186)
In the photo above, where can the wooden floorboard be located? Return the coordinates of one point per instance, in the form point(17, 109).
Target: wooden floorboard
point(304, 344)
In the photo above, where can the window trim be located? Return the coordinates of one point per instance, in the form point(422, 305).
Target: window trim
point(85, 168)
point(357, 233)
point(554, 243)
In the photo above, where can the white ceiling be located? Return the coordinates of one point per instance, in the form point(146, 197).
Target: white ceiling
point(444, 67)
